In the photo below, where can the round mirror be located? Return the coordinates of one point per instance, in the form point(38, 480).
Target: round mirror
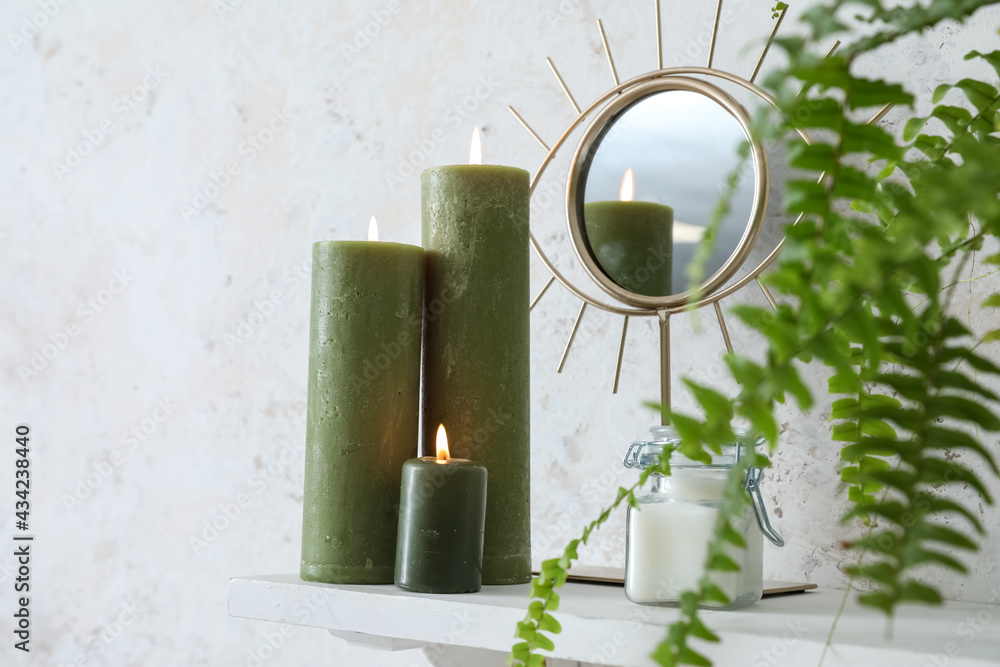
point(645, 180)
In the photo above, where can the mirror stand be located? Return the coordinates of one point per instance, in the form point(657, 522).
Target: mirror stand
point(664, 320)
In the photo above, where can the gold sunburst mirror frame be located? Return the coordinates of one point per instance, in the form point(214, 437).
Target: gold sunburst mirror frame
point(608, 108)
point(632, 93)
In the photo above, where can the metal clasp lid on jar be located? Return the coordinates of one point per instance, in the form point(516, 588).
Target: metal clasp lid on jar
point(751, 482)
point(642, 455)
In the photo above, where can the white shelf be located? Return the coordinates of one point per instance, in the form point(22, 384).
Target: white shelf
point(601, 625)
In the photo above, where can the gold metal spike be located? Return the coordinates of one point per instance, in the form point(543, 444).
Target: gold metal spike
point(659, 38)
point(767, 44)
point(572, 335)
point(722, 325)
point(621, 353)
point(880, 114)
point(833, 49)
point(534, 301)
point(525, 125)
point(715, 33)
point(767, 294)
point(562, 84)
point(607, 52)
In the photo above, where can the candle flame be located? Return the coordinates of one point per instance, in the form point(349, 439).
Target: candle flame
point(628, 188)
point(372, 229)
point(442, 445)
point(476, 149)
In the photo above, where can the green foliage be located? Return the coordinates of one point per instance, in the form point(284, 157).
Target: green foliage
point(866, 279)
point(909, 382)
point(531, 632)
point(674, 649)
point(864, 293)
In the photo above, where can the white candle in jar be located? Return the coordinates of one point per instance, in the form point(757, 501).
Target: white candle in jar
point(668, 541)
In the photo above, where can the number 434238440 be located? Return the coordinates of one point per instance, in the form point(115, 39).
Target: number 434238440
point(22, 476)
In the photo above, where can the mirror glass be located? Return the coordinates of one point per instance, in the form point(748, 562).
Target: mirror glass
point(649, 187)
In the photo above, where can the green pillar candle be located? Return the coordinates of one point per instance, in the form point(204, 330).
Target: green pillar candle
point(476, 356)
point(442, 509)
point(634, 244)
point(363, 406)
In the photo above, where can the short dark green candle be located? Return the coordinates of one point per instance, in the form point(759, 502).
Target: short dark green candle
point(442, 508)
point(476, 354)
point(362, 412)
point(634, 244)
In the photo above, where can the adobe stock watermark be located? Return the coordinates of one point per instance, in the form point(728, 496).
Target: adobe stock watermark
point(131, 440)
point(470, 448)
point(30, 26)
point(596, 326)
point(548, 194)
point(475, 440)
point(247, 152)
point(776, 652)
point(227, 513)
point(565, 9)
point(973, 625)
point(657, 259)
point(390, 351)
point(87, 311)
point(99, 641)
point(422, 149)
point(460, 624)
point(120, 110)
point(569, 522)
point(273, 642)
point(262, 310)
point(606, 650)
point(553, 191)
point(365, 35)
point(223, 7)
point(697, 48)
point(886, 541)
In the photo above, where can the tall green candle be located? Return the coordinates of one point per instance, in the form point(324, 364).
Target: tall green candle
point(363, 406)
point(476, 356)
point(633, 241)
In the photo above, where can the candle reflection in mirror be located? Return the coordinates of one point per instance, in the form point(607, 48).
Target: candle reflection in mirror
point(627, 190)
point(632, 241)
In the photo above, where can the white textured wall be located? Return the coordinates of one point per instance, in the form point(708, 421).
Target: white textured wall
point(211, 321)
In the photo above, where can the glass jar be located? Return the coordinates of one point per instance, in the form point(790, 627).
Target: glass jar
point(668, 537)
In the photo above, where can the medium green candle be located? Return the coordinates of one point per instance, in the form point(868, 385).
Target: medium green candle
point(633, 241)
point(363, 406)
point(476, 355)
point(442, 509)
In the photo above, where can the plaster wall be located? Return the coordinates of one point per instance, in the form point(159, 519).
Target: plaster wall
point(197, 332)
